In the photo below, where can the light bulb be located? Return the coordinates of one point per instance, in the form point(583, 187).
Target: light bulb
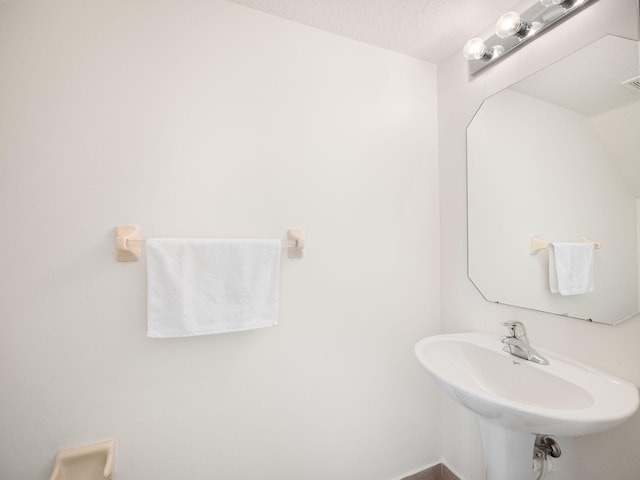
point(510, 24)
point(474, 49)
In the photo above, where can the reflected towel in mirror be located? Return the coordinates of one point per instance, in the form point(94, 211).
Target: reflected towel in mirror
point(571, 268)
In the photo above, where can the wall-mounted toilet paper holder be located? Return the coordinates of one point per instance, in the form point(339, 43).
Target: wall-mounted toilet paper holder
point(64, 458)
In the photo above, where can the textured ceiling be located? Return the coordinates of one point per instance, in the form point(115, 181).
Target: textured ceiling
point(428, 29)
point(576, 84)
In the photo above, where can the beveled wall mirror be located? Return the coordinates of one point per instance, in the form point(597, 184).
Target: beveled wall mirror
point(557, 156)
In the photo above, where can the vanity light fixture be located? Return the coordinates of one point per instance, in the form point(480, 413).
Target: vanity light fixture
point(513, 29)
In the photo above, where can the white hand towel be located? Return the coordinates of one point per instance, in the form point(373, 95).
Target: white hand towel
point(205, 286)
point(571, 268)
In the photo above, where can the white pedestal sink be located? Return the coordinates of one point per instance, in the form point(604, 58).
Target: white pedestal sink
point(514, 399)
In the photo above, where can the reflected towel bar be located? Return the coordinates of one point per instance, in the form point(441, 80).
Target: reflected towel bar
point(128, 243)
point(537, 244)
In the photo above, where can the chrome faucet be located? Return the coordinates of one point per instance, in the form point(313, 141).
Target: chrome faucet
point(517, 343)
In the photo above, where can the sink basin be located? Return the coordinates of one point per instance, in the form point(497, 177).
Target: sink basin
point(515, 399)
point(562, 398)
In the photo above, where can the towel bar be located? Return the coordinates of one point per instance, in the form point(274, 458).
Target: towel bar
point(128, 243)
point(537, 244)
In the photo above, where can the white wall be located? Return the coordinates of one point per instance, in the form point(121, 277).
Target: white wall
point(623, 142)
point(561, 185)
point(203, 118)
point(612, 348)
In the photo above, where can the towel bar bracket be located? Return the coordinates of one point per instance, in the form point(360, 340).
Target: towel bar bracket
point(127, 243)
point(296, 243)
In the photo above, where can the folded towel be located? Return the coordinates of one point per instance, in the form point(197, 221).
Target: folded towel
point(571, 268)
point(204, 286)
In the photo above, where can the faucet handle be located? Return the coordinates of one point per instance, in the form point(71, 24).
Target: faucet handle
point(516, 329)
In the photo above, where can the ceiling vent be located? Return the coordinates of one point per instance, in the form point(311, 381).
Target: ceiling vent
point(633, 84)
